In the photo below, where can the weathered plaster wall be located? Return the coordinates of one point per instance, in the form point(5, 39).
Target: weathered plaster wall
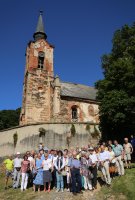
point(87, 111)
point(37, 91)
point(56, 136)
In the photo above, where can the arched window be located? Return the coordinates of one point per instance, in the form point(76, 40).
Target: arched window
point(41, 56)
point(74, 113)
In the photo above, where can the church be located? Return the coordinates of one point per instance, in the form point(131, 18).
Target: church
point(47, 99)
point(59, 114)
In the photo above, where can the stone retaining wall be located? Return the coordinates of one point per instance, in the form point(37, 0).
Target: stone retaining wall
point(54, 135)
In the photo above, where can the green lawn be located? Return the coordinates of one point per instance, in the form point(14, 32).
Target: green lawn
point(122, 188)
point(11, 194)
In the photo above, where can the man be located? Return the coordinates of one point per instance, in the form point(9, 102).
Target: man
point(93, 167)
point(46, 150)
point(74, 170)
point(110, 144)
point(31, 159)
point(8, 164)
point(54, 182)
point(119, 155)
point(104, 158)
point(132, 141)
point(128, 150)
point(17, 170)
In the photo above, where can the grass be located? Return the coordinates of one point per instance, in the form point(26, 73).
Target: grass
point(121, 188)
point(11, 194)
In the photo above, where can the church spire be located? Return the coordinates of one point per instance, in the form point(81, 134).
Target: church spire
point(40, 33)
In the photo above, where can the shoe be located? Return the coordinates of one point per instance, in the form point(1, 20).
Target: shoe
point(62, 190)
point(5, 188)
point(57, 190)
point(74, 193)
point(68, 190)
point(81, 192)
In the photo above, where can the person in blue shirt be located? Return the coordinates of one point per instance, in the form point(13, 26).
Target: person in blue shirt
point(74, 169)
point(119, 155)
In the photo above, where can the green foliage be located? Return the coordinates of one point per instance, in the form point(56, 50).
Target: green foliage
point(15, 139)
point(42, 132)
point(116, 91)
point(88, 127)
point(73, 130)
point(121, 188)
point(9, 118)
point(95, 134)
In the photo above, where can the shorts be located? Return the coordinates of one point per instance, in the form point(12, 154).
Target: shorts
point(9, 173)
point(127, 157)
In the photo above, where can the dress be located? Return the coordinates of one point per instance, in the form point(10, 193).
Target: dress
point(39, 177)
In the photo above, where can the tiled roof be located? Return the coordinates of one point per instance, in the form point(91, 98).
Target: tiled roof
point(78, 91)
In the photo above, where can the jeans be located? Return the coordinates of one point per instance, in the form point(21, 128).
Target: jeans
point(16, 178)
point(24, 181)
point(60, 183)
point(76, 180)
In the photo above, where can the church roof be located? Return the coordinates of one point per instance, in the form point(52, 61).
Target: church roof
point(40, 33)
point(78, 91)
point(40, 25)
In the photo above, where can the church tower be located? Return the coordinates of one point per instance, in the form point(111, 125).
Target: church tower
point(37, 90)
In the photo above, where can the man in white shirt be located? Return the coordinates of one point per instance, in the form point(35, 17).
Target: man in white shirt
point(104, 158)
point(54, 182)
point(17, 170)
point(93, 168)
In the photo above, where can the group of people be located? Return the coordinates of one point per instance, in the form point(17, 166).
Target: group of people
point(73, 169)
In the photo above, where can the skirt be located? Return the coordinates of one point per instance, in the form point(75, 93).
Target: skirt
point(47, 176)
point(39, 178)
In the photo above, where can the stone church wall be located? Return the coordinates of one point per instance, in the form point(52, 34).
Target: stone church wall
point(87, 111)
point(56, 135)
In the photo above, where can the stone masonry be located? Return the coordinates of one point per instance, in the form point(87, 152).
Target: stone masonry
point(45, 97)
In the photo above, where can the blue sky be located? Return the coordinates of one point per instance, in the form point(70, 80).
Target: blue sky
point(81, 31)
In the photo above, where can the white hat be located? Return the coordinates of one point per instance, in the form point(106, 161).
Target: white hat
point(91, 149)
point(18, 153)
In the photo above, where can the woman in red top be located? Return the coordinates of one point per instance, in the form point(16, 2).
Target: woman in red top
point(25, 167)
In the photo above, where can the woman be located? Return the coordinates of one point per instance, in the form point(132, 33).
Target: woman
point(47, 169)
point(112, 162)
point(25, 168)
point(59, 165)
point(86, 179)
point(38, 181)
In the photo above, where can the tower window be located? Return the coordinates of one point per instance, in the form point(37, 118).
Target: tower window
point(74, 113)
point(41, 56)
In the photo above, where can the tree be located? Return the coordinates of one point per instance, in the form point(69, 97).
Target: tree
point(116, 92)
point(9, 118)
